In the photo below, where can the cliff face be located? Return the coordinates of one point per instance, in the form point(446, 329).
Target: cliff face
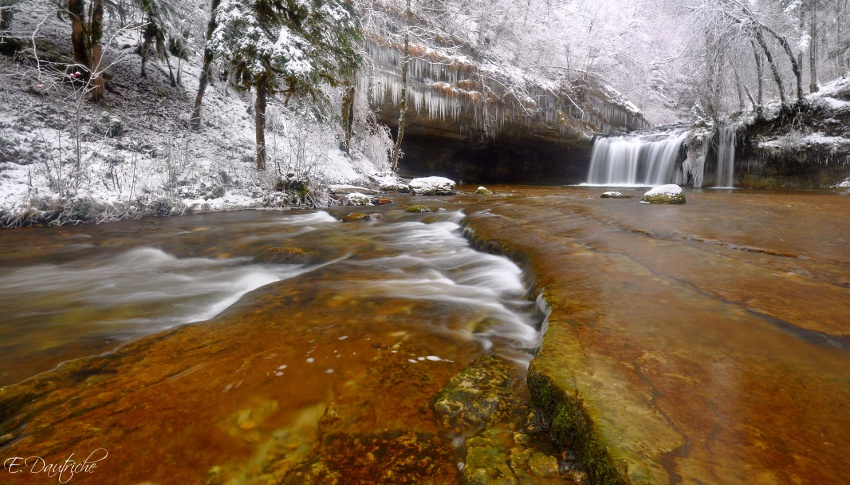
point(472, 120)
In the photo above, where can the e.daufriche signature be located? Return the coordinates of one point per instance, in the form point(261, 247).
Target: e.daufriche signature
point(64, 471)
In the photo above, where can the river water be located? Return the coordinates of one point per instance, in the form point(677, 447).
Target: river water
point(726, 317)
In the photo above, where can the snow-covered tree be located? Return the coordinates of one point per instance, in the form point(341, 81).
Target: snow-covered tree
point(285, 47)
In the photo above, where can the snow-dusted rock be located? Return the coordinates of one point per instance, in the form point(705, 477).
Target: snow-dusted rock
point(483, 191)
point(343, 189)
point(356, 199)
point(389, 182)
point(432, 186)
point(664, 194)
point(615, 195)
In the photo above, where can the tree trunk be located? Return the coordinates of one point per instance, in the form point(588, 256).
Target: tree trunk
point(760, 75)
point(260, 122)
point(76, 10)
point(741, 103)
point(205, 72)
point(795, 66)
point(776, 74)
point(95, 67)
point(403, 104)
point(813, 47)
point(348, 114)
point(841, 15)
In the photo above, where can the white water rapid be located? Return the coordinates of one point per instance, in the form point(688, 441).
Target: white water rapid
point(635, 160)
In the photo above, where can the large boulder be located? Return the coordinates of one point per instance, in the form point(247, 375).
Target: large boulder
point(664, 194)
point(432, 186)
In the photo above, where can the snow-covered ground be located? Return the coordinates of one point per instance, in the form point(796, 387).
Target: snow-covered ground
point(64, 159)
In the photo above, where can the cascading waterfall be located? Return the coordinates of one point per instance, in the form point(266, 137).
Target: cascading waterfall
point(726, 156)
point(636, 160)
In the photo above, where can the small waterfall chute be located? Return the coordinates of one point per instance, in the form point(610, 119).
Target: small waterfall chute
point(725, 171)
point(636, 160)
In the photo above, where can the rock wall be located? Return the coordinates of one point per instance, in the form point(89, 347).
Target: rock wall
point(804, 147)
point(477, 123)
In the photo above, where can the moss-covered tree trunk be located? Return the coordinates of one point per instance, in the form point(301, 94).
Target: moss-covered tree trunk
point(260, 121)
point(205, 71)
point(76, 10)
point(95, 67)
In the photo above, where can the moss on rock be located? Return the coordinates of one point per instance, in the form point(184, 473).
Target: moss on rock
point(477, 395)
point(356, 217)
point(571, 426)
point(417, 209)
point(287, 256)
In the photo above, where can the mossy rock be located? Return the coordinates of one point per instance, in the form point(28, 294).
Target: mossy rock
point(479, 394)
point(488, 460)
point(356, 217)
point(664, 199)
point(287, 256)
point(665, 194)
point(417, 209)
point(571, 426)
point(616, 195)
point(483, 191)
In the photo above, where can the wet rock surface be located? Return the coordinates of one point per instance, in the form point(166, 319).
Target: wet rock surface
point(479, 394)
point(287, 256)
point(688, 397)
point(615, 195)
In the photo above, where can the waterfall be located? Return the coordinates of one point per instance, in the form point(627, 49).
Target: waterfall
point(636, 160)
point(724, 174)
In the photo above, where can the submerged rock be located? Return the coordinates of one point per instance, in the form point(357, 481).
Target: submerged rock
point(417, 208)
point(483, 191)
point(616, 195)
point(664, 194)
point(287, 256)
point(487, 459)
point(477, 395)
point(356, 217)
point(432, 186)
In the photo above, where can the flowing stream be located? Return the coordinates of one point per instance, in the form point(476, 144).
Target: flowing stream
point(94, 287)
point(709, 341)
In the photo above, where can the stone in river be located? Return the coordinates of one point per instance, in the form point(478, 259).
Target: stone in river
point(476, 395)
point(417, 208)
point(664, 194)
point(616, 195)
point(483, 191)
point(432, 186)
point(287, 255)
